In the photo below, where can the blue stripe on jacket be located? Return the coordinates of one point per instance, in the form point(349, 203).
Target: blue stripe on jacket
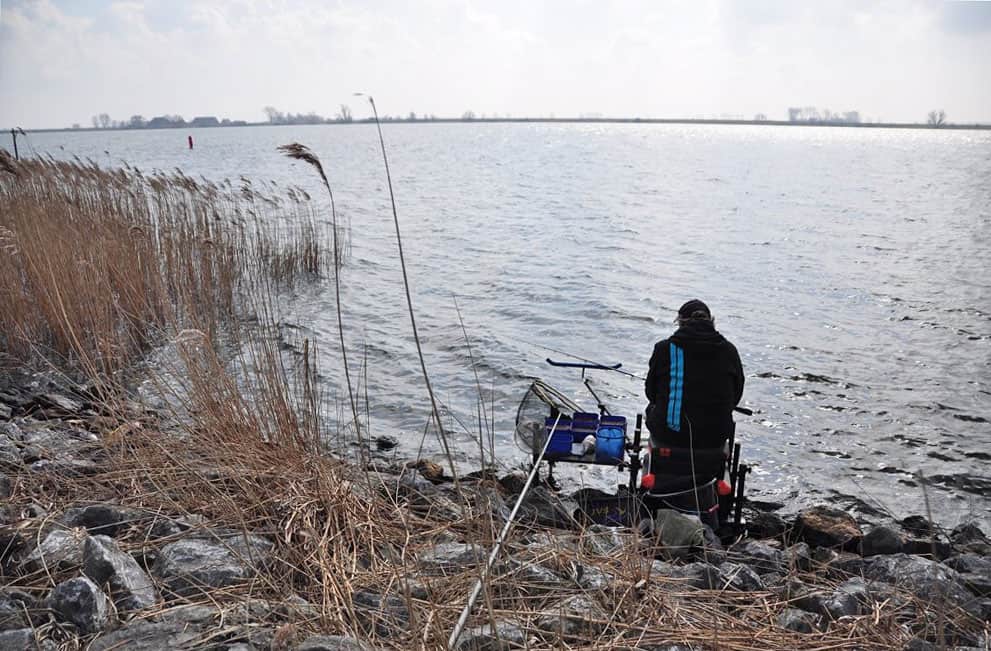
point(677, 375)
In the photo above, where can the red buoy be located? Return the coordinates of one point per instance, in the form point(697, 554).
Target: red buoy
point(647, 481)
point(723, 488)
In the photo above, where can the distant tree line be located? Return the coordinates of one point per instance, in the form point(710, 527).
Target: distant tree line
point(812, 114)
point(104, 121)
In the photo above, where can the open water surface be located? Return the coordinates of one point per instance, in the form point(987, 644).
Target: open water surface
point(849, 266)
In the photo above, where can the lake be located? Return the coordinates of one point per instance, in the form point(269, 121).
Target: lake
point(849, 266)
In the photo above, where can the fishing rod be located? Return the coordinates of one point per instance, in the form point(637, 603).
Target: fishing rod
point(588, 364)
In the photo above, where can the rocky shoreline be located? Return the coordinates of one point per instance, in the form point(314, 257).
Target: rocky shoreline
point(85, 562)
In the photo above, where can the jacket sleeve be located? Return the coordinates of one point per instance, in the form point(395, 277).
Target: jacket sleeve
point(736, 370)
point(658, 365)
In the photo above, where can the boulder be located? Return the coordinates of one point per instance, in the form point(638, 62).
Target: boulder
point(975, 572)
point(798, 557)
point(18, 610)
point(5, 411)
point(822, 526)
point(141, 635)
point(106, 519)
point(332, 643)
point(546, 509)
point(503, 636)
point(917, 525)
point(600, 540)
point(450, 558)
point(6, 487)
point(19, 639)
point(191, 566)
point(388, 616)
point(802, 595)
point(10, 451)
point(82, 603)
point(763, 558)
point(968, 537)
point(799, 621)
point(881, 540)
point(696, 575)
point(384, 442)
point(848, 600)
point(737, 576)
point(531, 577)
point(677, 534)
point(130, 587)
point(576, 616)
point(60, 549)
point(59, 403)
point(927, 579)
point(590, 577)
point(766, 525)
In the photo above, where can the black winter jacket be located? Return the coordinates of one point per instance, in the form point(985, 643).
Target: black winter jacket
point(695, 377)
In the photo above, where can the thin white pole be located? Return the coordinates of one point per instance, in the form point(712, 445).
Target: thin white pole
point(456, 633)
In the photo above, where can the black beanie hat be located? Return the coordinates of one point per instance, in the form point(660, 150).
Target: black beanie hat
point(694, 309)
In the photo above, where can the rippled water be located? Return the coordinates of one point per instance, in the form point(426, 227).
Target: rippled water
point(849, 266)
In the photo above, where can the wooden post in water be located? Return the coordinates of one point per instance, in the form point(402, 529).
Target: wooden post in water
point(13, 134)
point(190, 142)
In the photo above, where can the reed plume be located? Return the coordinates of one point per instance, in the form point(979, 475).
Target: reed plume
point(301, 152)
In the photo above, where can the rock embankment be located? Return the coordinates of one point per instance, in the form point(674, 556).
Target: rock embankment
point(115, 573)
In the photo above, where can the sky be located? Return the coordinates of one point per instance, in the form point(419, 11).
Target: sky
point(64, 61)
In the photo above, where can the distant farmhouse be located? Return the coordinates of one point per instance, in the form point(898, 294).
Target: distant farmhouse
point(205, 121)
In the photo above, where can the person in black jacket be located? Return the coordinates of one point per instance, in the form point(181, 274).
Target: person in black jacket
point(695, 380)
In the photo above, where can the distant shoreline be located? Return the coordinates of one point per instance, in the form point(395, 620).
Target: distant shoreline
point(770, 123)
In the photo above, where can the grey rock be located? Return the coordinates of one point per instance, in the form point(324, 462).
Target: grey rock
point(975, 571)
point(5, 412)
point(18, 639)
point(241, 646)
point(677, 533)
point(130, 587)
point(81, 602)
point(822, 526)
point(388, 616)
point(881, 540)
point(762, 557)
point(697, 575)
point(106, 519)
point(802, 595)
point(926, 579)
point(191, 566)
point(10, 452)
point(386, 442)
point(917, 525)
point(188, 615)
point(504, 636)
point(332, 643)
point(513, 482)
point(60, 403)
point(11, 432)
point(532, 577)
point(848, 600)
point(590, 577)
point(140, 635)
point(737, 576)
point(603, 541)
point(967, 532)
point(166, 527)
point(18, 610)
point(6, 487)
point(60, 549)
point(767, 525)
point(576, 616)
point(918, 644)
point(799, 621)
point(450, 558)
point(545, 508)
point(799, 557)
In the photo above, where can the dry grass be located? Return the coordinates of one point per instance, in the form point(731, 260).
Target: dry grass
point(99, 267)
